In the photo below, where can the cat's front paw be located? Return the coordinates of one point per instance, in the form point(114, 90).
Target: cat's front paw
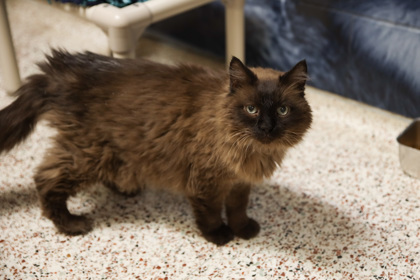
point(219, 236)
point(249, 230)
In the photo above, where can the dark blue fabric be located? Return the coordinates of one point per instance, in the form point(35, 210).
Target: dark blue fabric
point(117, 3)
point(365, 50)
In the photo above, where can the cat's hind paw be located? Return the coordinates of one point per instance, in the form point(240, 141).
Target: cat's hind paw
point(74, 225)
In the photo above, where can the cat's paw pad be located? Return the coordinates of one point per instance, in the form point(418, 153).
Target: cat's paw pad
point(220, 236)
point(74, 225)
point(248, 231)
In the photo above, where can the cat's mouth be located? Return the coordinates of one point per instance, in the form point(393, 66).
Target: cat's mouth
point(265, 138)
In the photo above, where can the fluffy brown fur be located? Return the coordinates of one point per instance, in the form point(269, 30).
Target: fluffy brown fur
point(135, 123)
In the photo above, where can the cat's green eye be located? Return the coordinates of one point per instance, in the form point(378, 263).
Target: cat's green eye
point(283, 110)
point(252, 110)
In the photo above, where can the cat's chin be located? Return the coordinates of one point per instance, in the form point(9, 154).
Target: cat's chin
point(270, 144)
point(266, 140)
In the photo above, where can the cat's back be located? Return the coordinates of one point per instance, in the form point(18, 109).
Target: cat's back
point(93, 69)
point(102, 83)
point(135, 97)
point(153, 88)
point(160, 94)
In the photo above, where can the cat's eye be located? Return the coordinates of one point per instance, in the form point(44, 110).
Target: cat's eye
point(252, 110)
point(283, 110)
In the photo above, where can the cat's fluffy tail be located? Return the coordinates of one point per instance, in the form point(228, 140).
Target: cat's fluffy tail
point(18, 119)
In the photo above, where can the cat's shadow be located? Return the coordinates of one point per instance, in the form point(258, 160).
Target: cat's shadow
point(290, 221)
point(109, 209)
point(18, 197)
point(307, 227)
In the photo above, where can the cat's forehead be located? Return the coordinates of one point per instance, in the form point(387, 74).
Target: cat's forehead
point(268, 81)
point(267, 73)
point(266, 91)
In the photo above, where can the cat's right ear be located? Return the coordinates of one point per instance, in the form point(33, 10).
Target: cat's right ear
point(240, 75)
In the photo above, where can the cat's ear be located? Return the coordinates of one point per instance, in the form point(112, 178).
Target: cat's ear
point(240, 75)
point(295, 79)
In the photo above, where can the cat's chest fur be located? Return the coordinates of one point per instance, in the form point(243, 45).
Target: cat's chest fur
point(195, 151)
point(256, 166)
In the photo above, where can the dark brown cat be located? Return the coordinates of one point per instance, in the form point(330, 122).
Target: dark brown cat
point(135, 123)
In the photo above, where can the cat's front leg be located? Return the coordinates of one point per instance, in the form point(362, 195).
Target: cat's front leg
point(236, 205)
point(207, 210)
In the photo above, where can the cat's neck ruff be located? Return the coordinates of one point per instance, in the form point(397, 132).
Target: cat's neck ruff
point(250, 160)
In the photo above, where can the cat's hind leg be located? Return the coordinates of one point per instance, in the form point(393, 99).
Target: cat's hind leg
point(57, 179)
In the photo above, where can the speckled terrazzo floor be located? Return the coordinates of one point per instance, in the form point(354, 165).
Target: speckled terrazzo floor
point(339, 208)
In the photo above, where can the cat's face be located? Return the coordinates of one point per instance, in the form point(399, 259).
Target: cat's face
point(269, 106)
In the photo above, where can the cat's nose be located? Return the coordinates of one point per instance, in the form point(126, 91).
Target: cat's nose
point(266, 127)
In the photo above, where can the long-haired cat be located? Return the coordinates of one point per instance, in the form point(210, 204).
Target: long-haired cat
point(135, 123)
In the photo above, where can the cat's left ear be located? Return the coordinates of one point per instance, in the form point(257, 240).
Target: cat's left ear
point(240, 75)
point(295, 79)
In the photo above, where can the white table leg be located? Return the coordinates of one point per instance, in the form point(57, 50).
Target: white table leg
point(8, 63)
point(123, 41)
point(235, 30)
